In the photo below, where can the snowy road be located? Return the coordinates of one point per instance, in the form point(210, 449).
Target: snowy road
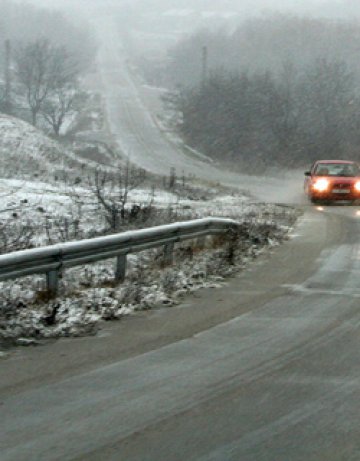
point(134, 126)
point(265, 368)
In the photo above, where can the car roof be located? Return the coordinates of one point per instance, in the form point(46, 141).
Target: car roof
point(334, 161)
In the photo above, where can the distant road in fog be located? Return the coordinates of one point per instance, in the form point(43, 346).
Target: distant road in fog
point(139, 137)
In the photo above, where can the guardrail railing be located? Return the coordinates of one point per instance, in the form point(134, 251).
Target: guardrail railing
point(52, 260)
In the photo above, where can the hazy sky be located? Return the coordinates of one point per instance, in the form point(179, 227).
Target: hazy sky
point(238, 4)
point(247, 7)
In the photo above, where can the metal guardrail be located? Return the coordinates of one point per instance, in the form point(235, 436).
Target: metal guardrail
point(52, 260)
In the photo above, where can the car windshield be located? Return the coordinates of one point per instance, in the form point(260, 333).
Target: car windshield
point(337, 169)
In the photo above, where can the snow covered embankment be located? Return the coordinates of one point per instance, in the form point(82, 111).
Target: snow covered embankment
point(26, 152)
point(88, 295)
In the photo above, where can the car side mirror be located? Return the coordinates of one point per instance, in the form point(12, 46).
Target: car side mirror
point(307, 173)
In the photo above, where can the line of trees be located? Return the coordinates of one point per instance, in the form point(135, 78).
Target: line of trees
point(264, 44)
point(279, 91)
point(258, 120)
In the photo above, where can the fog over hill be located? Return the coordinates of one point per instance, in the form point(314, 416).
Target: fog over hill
point(332, 8)
point(166, 21)
point(156, 25)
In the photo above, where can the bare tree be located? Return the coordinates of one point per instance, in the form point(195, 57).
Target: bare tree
point(64, 101)
point(112, 192)
point(43, 70)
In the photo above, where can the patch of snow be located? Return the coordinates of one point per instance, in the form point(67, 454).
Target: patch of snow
point(89, 297)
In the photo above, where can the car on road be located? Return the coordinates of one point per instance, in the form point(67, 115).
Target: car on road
point(333, 180)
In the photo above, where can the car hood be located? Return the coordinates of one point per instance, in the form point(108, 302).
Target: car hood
point(340, 179)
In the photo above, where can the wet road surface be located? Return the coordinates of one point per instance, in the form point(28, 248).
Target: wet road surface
point(264, 368)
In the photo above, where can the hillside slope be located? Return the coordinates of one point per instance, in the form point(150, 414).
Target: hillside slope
point(27, 152)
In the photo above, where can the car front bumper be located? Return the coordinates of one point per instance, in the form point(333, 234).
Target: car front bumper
point(335, 195)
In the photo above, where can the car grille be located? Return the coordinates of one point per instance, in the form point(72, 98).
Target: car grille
point(341, 186)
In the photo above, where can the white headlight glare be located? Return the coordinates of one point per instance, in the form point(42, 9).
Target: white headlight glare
point(357, 186)
point(322, 185)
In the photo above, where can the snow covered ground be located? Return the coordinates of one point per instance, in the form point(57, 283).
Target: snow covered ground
point(44, 198)
point(37, 208)
point(88, 295)
point(26, 152)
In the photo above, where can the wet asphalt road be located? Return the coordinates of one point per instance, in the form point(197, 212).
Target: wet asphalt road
point(265, 368)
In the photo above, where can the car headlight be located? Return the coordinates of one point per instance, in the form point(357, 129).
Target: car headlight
point(322, 185)
point(357, 186)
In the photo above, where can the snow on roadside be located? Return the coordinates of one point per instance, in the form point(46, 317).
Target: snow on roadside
point(88, 296)
point(39, 202)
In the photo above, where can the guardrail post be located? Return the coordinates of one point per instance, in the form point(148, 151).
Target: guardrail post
point(169, 254)
point(200, 242)
point(52, 282)
point(120, 268)
point(232, 243)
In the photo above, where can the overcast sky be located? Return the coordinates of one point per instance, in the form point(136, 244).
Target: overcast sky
point(331, 8)
point(238, 4)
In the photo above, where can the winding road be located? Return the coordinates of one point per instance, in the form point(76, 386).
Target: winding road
point(265, 368)
point(134, 126)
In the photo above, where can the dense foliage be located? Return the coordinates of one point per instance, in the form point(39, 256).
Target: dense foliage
point(282, 94)
point(258, 120)
point(264, 44)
